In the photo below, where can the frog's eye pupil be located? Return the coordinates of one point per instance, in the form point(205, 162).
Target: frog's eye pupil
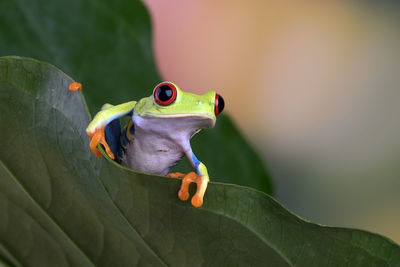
point(165, 93)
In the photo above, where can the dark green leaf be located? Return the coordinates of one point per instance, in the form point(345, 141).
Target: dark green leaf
point(61, 206)
point(106, 46)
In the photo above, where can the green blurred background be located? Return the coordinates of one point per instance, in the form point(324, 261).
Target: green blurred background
point(314, 85)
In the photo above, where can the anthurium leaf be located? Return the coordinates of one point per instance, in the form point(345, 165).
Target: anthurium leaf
point(106, 46)
point(61, 206)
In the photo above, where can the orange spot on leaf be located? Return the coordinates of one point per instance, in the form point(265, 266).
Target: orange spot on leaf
point(75, 86)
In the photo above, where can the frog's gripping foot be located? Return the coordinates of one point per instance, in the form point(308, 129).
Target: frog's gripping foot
point(183, 194)
point(99, 137)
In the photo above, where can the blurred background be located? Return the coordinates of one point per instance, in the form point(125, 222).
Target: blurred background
point(314, 85)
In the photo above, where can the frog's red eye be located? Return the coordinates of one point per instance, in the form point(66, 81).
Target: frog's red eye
point(165, 93)
point(219, 104)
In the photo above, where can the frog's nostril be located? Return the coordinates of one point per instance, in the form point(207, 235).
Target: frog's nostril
point(219, 104)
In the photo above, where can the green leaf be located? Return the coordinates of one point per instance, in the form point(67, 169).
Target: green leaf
point(106, 46)
point(61, 206)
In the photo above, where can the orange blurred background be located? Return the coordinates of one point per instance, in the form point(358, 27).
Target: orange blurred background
point(314, 85)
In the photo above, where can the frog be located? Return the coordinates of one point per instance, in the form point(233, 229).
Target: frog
point(158, 134)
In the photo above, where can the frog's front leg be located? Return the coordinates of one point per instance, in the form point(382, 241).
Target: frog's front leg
point(200, 178)
point(96, 128)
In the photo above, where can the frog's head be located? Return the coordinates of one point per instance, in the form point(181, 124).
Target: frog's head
point(168, 101)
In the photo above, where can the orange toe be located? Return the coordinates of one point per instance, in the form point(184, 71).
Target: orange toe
point(183, 195)
point(176, 175)
point(99, 137)
point(197, 201)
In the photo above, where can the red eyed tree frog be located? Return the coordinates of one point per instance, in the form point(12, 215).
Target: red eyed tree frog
point(158, 134)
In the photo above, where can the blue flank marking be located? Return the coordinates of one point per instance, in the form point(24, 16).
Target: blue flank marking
point(125, 140)
point(132, 129)
point(196, 163)
point(113, 133)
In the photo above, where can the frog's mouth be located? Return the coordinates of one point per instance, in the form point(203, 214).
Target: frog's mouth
point(202, 121)
point(181, 124)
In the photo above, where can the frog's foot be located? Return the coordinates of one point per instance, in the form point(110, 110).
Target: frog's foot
point(201, 181)
point(176, 175)
point(99, 137)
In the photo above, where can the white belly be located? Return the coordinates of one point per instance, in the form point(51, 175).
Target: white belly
point(159, 143)
point(156, 156)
